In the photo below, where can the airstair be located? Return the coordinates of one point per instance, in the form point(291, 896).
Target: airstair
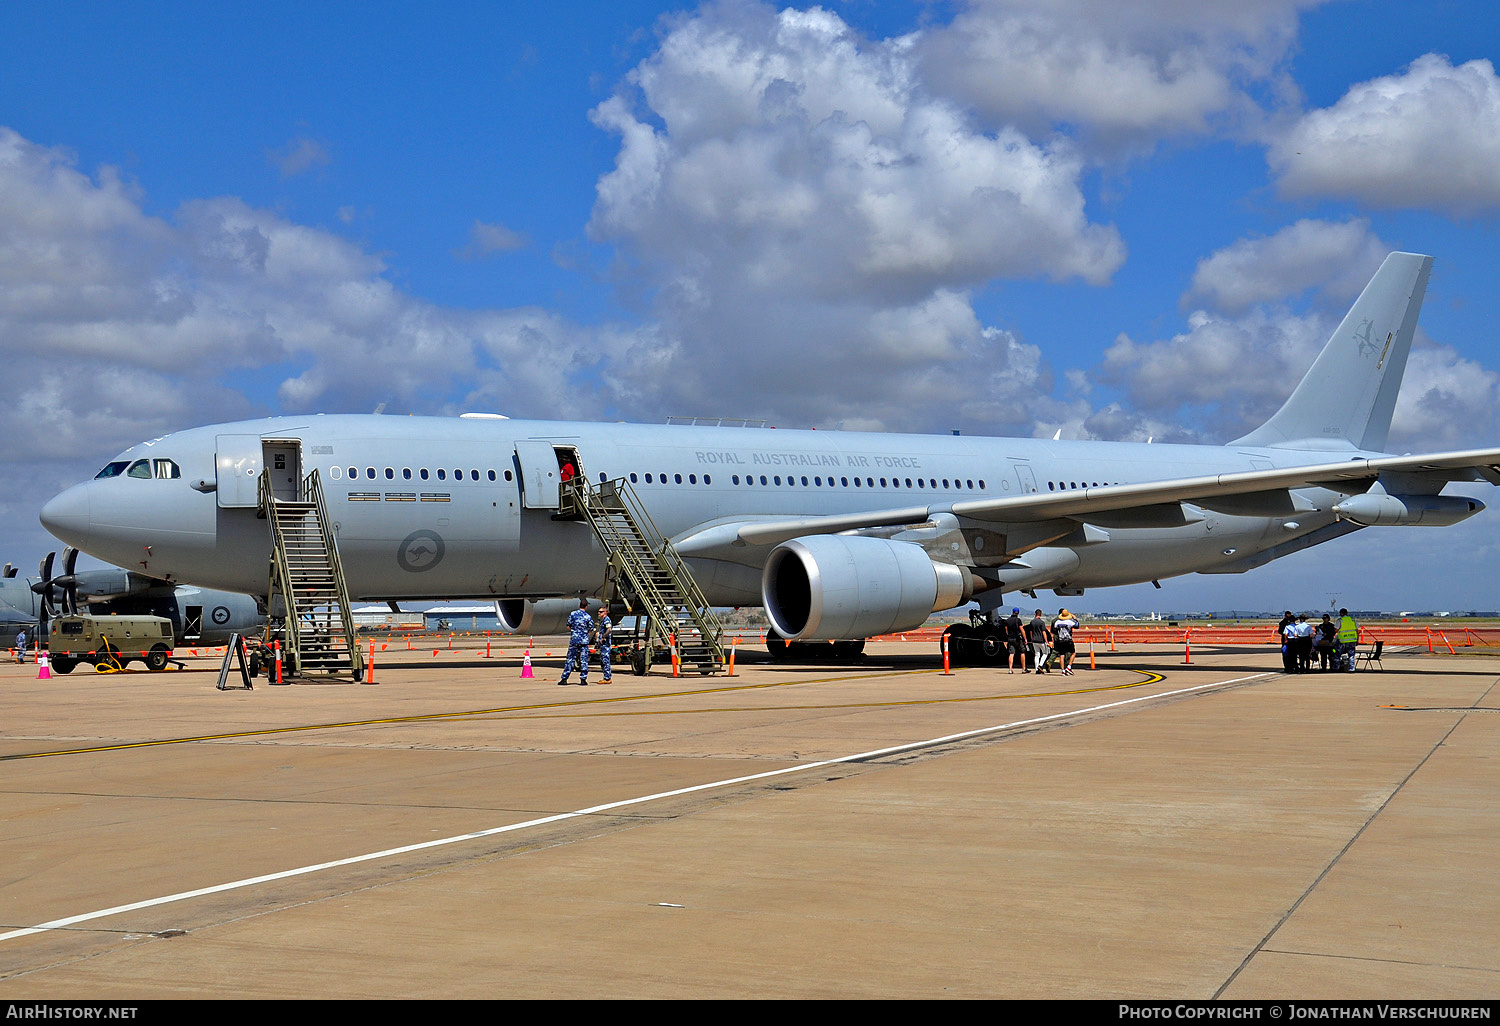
point(306, 574)
point(647, 573)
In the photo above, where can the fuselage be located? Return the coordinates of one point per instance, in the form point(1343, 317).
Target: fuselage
point(427, 508)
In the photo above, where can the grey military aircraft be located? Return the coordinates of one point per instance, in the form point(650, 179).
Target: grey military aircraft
point(839, 535)
point(199, 616)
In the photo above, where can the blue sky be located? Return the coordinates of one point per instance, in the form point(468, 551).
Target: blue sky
point(1011, 217)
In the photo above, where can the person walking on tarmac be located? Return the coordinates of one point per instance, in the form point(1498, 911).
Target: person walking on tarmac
point(579, 623)
point(1348, 637)
point(1040, 636)
point(1062, 640)
point(20, 646)
point(1015, 641)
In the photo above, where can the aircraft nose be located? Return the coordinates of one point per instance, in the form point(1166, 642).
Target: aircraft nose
point(68, 516)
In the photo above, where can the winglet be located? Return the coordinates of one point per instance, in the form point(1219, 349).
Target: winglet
point(1347, 396)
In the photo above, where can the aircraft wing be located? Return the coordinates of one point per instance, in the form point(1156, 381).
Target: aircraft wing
point(1265, 486)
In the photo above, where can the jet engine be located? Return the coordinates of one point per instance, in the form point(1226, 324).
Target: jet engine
point(538, 616)
point(1377, 509)
point(829, 587)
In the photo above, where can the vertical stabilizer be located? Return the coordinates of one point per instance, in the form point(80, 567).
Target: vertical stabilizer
point(1347, 396)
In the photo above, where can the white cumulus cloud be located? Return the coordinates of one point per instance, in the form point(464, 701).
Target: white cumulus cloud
point(796, 204)
point(1426, 137)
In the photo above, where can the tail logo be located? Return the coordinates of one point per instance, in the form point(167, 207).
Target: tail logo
point(1362, 336)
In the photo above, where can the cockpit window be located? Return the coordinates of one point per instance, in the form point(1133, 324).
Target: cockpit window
point(140, 468)
point(114, 469)
point(167, 469)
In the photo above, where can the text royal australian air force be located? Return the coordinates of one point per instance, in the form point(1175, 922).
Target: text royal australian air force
point(766, 458)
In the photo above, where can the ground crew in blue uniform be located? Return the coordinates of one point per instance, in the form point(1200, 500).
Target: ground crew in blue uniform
point(603, 640)
point(579, 623)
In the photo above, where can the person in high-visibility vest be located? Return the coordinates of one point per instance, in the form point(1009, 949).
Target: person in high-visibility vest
point(1348, 637)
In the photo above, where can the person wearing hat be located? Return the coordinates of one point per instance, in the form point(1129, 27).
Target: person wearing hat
point(1015, 641)
point(1062, 640)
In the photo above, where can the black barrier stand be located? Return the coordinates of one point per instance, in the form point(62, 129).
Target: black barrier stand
point(236, 651)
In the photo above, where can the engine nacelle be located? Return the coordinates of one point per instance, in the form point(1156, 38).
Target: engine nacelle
point(830, 587)
point(538, 616)
point(1377, 509)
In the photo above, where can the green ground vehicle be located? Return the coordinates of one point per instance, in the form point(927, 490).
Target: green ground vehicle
point(109, 641)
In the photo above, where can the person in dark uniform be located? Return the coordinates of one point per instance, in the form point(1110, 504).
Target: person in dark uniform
point(1015, 641)
point(579, 625)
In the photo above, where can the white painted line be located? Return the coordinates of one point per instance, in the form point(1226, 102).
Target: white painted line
point(57, 924)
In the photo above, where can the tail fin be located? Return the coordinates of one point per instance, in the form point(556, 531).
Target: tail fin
point(1347, 396)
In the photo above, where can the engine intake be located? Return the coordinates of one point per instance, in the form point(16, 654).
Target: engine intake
point(831, 587)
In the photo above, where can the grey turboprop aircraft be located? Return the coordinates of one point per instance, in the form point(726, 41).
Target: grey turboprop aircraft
point(839, 535)
point(199, 616)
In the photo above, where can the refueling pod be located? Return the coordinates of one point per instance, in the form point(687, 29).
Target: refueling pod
point(1378, 509)
point(830, 587)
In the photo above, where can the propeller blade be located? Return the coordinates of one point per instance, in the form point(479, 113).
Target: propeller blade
point(44, 586)
point(44, 589)
point(70, 587)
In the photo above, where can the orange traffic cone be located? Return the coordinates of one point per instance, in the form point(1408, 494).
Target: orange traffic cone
point(526, 667)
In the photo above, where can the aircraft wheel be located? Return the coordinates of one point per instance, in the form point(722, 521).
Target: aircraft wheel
point(63, 664)
point(849, 651)
point(992, 648)
point(156, 659)
point(779, 647)
point(956, 637)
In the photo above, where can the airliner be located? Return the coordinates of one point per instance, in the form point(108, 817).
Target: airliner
point(839, 535)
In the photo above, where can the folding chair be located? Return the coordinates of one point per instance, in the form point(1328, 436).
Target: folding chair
point(1372, 656)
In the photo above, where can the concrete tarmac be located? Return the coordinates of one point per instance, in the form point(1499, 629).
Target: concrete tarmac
point(1147, 830)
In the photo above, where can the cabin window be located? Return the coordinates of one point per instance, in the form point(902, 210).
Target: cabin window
point(736, 479)
point(677, 478)
point(390, 475)
point(423, 473)
point(406, 473)
point(692, 479)
point(335, 472)
point(707, 479)
point(648, 478)
point(633, 479)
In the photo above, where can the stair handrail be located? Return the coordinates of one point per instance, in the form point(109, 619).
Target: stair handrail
point(313, 489)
